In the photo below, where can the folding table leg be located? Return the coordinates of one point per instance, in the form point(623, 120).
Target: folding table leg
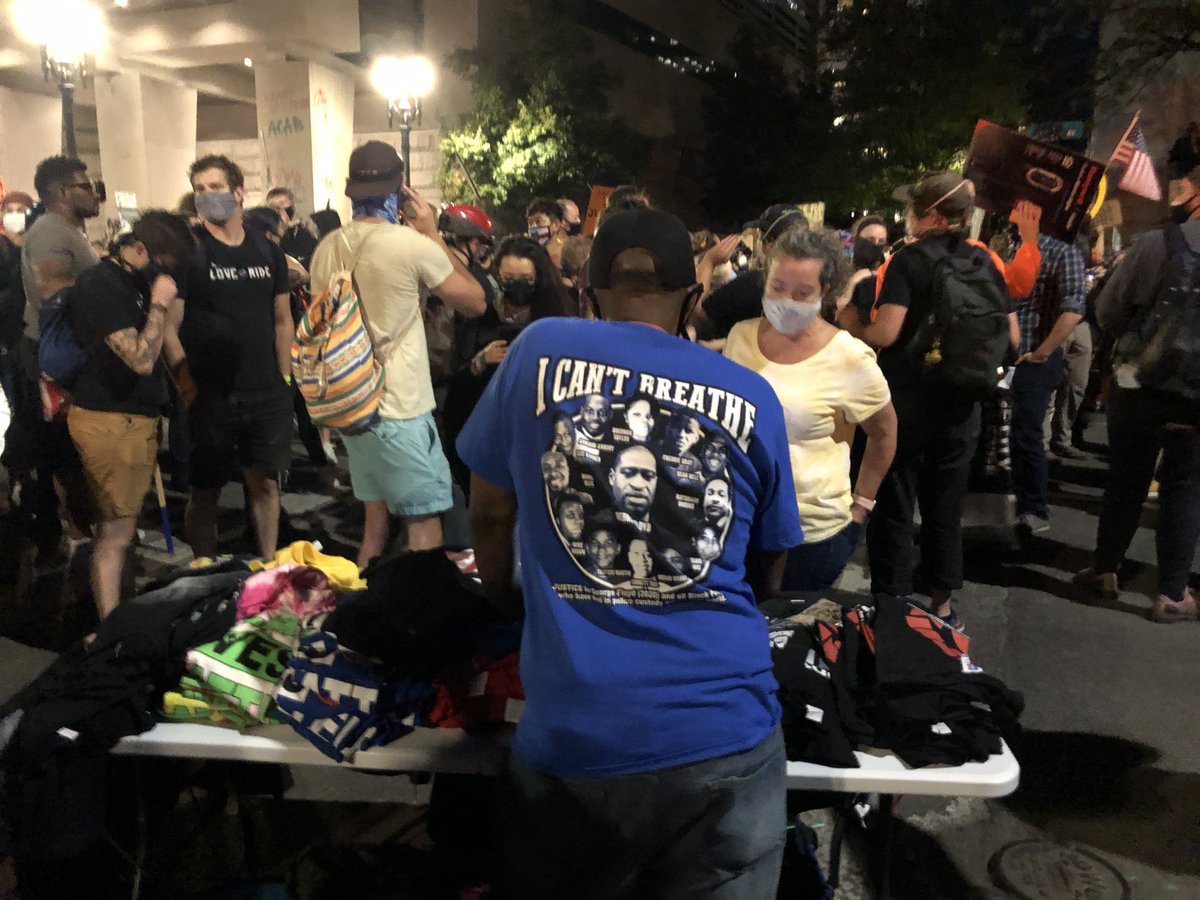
point(887, 824)
point(835, 844)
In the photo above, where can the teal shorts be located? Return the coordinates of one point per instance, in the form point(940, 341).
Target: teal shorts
point(401, 463)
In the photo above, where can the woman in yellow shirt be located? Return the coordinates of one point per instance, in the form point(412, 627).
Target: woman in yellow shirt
point(822, 375)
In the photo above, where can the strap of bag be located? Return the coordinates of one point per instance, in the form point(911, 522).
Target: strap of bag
point(362, 308)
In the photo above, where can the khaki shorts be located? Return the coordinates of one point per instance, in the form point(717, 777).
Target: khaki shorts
point(118, 452)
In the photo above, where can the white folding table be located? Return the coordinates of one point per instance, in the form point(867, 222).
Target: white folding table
point(881, 772)
point(451, 750)
point(447, 750)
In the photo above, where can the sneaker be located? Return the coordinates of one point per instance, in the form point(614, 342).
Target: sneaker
point(1166, 610)
point(1103, 583)
point(1033, 524)
point(1067, 451)
point(954, 620)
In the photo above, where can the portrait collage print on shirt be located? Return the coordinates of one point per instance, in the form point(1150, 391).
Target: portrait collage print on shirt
point(640, 494)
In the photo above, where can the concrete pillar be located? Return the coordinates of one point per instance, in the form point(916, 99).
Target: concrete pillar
point(332, 97)
point(147, 132)
point(32, 130)
point(305, 123)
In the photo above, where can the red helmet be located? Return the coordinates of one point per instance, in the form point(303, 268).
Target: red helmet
point(465, 220)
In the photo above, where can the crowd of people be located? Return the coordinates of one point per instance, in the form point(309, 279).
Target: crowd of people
point(655, 430)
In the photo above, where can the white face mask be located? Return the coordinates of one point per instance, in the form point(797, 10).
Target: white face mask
point(788, 316)
point(14, 222)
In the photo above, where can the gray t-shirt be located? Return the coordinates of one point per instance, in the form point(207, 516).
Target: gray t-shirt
point(52, 235)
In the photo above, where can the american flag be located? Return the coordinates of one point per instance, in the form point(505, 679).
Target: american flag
point(1133, 154)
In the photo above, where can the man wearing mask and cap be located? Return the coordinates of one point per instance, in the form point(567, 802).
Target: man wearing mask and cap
point(397, 466)
point(16, 207)
point(648, 760)
point(741, 298)
point(118, 312)
point(1153, 407)
point(938, 425)
point(230, 349)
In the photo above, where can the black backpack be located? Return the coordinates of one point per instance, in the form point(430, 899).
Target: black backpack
point(1170, 329)
point(963, 340)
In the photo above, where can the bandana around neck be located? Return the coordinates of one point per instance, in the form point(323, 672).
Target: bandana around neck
point(377, 207)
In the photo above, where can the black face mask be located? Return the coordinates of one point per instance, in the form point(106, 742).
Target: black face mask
point(867, 255)
point(291, 211)
point(518, 292)
point(574, 228)
point(1182, 212)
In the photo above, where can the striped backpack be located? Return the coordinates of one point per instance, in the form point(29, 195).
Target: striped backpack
point(334, 362)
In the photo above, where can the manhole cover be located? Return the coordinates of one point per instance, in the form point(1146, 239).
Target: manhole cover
point(1042, 870)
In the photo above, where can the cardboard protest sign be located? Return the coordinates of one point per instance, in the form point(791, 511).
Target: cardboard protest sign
point(815, 213)
point(1006, 167)
point(596, 204)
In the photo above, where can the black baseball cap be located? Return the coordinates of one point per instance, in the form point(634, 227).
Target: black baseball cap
point(376, 170)
point(661, 234)
point(777, 219)
point(945, 192)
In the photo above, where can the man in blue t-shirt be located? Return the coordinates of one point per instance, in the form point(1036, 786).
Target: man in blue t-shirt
point(648, 759)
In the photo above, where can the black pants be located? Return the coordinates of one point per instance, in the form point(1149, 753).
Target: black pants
point(1138, 430)
point(310, 434)
point(42, 451)
point(935, 443)
point(1033, 386)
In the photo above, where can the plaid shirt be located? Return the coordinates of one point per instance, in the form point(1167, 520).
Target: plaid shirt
point(1061, 288)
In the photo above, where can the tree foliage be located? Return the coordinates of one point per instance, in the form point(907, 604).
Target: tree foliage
point(768, 137)
point(911, 79)
point(541, 123)
point(1146, 35)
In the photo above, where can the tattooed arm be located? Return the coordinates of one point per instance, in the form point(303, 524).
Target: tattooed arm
point(140, 349)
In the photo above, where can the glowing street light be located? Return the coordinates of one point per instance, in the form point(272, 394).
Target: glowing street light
point(66, 30)
point(402, 83)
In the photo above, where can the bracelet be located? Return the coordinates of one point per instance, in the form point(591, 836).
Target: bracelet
point(862, 502)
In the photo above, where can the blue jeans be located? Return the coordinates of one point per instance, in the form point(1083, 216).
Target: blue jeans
point(1033, 386)
point(713, 829)
point(816, 566)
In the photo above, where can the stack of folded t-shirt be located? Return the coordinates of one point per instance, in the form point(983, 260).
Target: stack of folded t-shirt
point(233, 680)
point(891, 676)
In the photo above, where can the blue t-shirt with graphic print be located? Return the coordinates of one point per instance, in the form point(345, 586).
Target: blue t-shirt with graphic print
point(645, 467)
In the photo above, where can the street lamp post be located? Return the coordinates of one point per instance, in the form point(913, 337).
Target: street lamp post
point(66, 30)
point(403, 83)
